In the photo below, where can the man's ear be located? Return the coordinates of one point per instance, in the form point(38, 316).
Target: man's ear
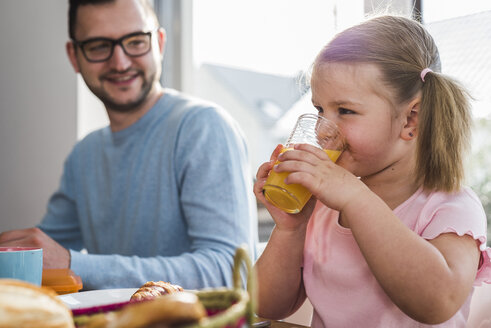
point(72, 56)
point(161, 36)
point(410, 128)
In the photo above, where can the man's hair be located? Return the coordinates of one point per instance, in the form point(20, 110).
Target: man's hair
point(75, 4)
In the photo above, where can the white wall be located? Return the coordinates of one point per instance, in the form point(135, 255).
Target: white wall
point(91, 114)
point(38, 118)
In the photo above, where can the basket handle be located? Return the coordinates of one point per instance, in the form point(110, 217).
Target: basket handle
point(242, 256)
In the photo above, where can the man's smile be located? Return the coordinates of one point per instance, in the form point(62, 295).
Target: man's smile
point(121, 79)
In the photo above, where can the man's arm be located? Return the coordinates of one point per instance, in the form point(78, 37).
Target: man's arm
point(215, 190)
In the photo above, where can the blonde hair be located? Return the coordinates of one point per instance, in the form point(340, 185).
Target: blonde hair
point(402, 48)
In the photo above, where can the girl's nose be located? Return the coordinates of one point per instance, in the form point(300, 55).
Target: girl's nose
point(120, 61)
point(330, 115)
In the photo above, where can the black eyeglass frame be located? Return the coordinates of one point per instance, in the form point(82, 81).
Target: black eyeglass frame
point(114, 42)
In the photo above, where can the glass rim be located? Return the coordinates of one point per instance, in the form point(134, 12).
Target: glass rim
point(336, 137)
point(18, 248)
point(317, 116)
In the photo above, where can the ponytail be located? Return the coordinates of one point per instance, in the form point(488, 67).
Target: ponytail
point(444, 124)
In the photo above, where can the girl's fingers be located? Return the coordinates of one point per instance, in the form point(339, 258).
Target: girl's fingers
point(294, 166)
point(306, 179)
point(258, 189)
point(259, 184)
point(263, 170)
point(261, 176)
point(321, 154)
point(301, 161)
point(305, 153)
point(276, 152)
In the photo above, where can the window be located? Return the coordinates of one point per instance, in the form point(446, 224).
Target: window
point(250, 57)
point(463, 36)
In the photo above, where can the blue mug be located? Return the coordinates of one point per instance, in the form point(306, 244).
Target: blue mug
point(23, 263)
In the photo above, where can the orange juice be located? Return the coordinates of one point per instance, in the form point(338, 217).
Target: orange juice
point(291, 198)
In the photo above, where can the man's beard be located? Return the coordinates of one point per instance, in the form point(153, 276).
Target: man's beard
point(111, 103)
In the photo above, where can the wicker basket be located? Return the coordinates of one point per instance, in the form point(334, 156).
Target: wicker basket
point(231, 308)
point(226, 308)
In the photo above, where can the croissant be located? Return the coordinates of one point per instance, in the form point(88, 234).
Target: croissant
point(152, 289)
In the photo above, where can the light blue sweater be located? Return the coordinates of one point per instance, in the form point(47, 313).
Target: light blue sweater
point(168, 198)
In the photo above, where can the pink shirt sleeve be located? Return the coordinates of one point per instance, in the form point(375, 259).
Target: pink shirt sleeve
point(462, 214)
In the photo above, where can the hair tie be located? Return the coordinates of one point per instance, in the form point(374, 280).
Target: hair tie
point(423, 73)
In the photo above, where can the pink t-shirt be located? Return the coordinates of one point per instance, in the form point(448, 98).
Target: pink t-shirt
point(339, 283)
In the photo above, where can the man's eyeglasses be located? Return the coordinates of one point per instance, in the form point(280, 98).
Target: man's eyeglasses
point(97, 50)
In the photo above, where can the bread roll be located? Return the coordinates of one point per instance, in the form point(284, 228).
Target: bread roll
point(169, 310)
point(24, 305)
point(153, 289)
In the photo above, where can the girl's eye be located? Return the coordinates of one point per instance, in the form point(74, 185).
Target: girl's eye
point(344, 111)
point(319, 109)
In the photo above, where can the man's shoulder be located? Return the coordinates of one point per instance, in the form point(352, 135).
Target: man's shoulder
point(93, 136)
point(188, 107)
point(91, 140)
point(186, 101)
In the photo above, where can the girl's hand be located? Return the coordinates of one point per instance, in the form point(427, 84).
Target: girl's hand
point(329, 183)
point(283, 220)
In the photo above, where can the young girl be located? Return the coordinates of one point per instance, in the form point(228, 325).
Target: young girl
point(391, 238)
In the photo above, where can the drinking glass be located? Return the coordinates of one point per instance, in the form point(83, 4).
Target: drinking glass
point(310, 129)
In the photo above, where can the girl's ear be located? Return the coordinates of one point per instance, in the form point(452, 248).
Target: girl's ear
point(410, 128)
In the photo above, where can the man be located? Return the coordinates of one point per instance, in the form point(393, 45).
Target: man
point(162, 193)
